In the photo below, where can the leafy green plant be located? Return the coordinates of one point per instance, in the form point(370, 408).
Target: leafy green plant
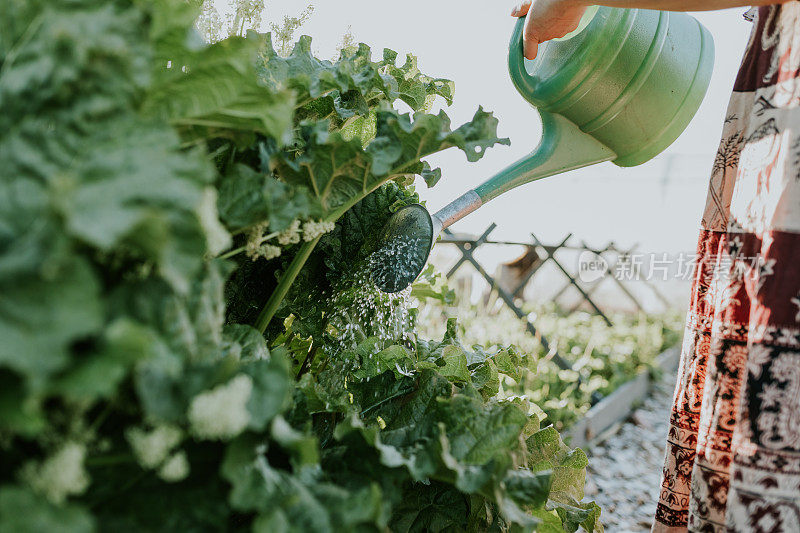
point(159, 197)
point(602, 357)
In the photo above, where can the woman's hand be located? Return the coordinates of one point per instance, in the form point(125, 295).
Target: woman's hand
point(548, 19)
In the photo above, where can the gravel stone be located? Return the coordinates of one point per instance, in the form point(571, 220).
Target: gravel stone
point(624, 473)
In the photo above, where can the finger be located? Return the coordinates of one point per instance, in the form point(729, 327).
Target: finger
point(530, 38)
point(520, 10)
point(530, 48)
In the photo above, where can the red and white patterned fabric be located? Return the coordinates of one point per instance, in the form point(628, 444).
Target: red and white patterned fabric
point(733, 449)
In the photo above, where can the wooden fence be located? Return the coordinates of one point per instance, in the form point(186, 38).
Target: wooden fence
point(610, 257)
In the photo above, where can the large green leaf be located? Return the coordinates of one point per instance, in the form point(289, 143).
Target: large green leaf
point(455, 438)
point(313, 505)
point(413, 87)
point(436, 507)
point(339, 172)
point(350, 87)
point(98, 374)
point(547, 451)
point(314, 79)
point(248, 197)
point(212, 90)
point(271, 389)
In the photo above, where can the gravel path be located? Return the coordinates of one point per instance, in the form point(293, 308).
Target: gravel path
point(624, 472)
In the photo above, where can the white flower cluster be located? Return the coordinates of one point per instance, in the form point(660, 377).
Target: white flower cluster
point(174, 469)
point(60, 475)
point(151, 448)
point(312, 230)
point(256, 246)
point(269, 251)
point(290, 235)
point(221, 413)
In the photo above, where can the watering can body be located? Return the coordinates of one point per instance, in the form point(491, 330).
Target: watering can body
point(621, 88)
point(632, 79)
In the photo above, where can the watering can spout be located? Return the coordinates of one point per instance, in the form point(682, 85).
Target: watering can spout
point(563, 147)
point(620, 88)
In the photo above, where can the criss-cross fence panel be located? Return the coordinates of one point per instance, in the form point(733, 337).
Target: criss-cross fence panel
point(610, 258)
point(529, 276)
point(572, 281)
point(608, 269)
point(546, 252)
point(467, 247)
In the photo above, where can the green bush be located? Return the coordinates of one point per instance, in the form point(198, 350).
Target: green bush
point(159, 198)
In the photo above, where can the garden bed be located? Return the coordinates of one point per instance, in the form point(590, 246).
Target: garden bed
point(605, 416)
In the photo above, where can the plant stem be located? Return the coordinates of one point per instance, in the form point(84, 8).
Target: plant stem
point(286, 281)
point(233, 252)
point(100, 418)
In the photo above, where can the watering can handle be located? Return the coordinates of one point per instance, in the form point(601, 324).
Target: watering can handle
point(563, 147)
point(524, 82)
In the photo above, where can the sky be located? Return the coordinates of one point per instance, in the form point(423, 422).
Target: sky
point(657, 205)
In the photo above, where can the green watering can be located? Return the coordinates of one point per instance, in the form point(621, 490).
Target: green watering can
point(621, 88)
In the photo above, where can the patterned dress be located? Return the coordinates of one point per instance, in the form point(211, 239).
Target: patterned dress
point(733, 450)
